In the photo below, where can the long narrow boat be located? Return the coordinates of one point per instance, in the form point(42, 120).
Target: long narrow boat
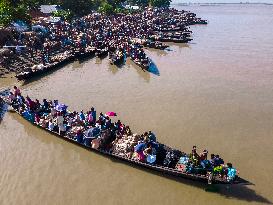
point(156, 45)
point(32, 73)
point(143, 65)
point(116, 59)
point(77, 54)
point(86, 53)
point(163, 170)
point(101, 53)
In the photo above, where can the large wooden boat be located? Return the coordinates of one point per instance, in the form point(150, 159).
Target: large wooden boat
point(86, 53)
point(76, 54)
point(101, 53)
point(40, 70)
point(163, 170)
point(116, 59)
point(143, 63)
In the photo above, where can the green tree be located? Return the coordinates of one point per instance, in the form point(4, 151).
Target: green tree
point(115, 3)
point(6, 13)
point(160, 3)
point(31, 4)
point(106, 8)
point(79, 7)
point(21, 12)
point(64, 14)
point(12, 11)
point(140, 3)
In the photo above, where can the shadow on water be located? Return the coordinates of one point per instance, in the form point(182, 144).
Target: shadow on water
point(179, 45)
point(160, 52)
point(235, 191)
point(84, 60)
point(3, 76)
point(3, 109)
point(145, 75)
point(113, 69)
point(239, 192)
point(3, 106)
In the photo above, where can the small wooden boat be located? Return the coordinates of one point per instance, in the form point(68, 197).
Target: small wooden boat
point(200, 21)
point(175, 40)
point(156, 45)
point(168, 29)
point(43, 68)
point(101, 53)
point(163, 170)
point(116, 59)
point(86, 53)
point(143, 63)
point(181, 40)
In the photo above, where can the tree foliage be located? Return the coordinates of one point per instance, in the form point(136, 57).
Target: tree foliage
point(21, 13)
point(12, 11)
point(140, 3)
point(64, 14)
point(106, 8)
point(160, 3)
point(77, 7)
point(6, 13)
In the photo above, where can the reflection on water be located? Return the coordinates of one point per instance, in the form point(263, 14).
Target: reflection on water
point(3, 109)
point(98, 60)
point(141, 73)
point(3, 105)
point(160, 52)
point(77, 64)
point(113, 69)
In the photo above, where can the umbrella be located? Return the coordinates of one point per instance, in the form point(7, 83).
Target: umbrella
point(151, 158)
point(61, 107)
point(111, 114)
point(140, 147)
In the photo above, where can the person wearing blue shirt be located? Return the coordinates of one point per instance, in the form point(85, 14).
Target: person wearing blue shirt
point(231, 172)
point(82, 116)
point(94, 114)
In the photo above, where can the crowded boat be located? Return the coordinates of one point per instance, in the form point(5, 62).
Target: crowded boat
point(99, 132)
point(119, 35)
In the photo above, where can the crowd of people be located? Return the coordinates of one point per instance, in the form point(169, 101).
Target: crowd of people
point(112, 33)
point(100, 132)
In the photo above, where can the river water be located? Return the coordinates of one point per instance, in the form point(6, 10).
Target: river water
point(215, 92)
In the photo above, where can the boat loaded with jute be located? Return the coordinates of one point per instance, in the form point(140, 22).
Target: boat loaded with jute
point(116, 140)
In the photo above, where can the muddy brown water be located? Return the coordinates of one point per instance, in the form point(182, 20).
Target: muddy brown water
point(215, 92)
